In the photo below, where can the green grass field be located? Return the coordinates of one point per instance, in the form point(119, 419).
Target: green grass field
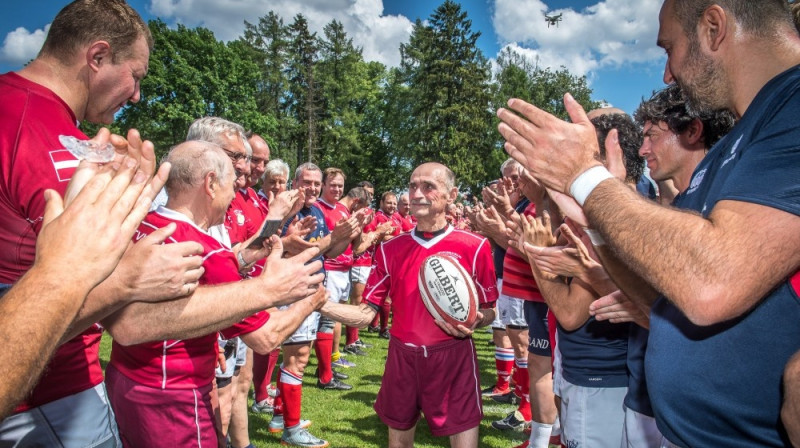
point(346, 418)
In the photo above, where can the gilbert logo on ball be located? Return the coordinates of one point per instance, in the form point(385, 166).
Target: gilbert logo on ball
point(448, 291)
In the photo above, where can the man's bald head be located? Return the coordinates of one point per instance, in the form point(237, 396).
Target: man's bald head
point(191, 161)
point(437, 169)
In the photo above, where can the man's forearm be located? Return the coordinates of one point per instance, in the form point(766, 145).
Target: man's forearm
point(568, 302)
point(209, 309)
point(281, 325)
point(351, 315)
point(704, 266)
point(34, 313)
point(102, 301)
point(634, 286)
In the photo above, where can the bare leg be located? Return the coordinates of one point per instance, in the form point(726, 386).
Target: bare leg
point(543, 407)
point(790, 412)
point(239, 430)
point(401, 439)
point(465, 439)
point(225, 406)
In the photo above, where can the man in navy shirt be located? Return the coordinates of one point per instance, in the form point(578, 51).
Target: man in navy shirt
point(725, 324)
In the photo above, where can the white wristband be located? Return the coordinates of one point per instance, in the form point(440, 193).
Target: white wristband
point(586, 182)
point(594, 235)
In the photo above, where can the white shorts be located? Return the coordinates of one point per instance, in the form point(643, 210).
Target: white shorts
point(360, 274)
point(338, 285)
point(592, 416)
point(558, 379)
point(640, 431)
point(511, 311)
point(230, 361)
point(497, 323)
point(306, 332)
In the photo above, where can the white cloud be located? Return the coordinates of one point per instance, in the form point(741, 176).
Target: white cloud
point(21, 45)
point(608, 34)
point(378, 35)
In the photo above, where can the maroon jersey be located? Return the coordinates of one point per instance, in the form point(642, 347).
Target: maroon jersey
point(333, 213)
point(396, 269)
point(31, 160)
point(190, 363)
point(518, 280)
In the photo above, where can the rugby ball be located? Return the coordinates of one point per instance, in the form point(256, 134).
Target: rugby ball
point(448, 291)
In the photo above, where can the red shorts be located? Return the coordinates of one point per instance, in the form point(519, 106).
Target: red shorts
point(440, 380)
point(161, 417)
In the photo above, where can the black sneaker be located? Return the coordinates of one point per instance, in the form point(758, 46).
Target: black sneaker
point(507, 398)
point(371, 329)
point(353, 349)
point(334, 384)
point(513, 421)
point(362, 344)
point(384, 334)
point(336, 374)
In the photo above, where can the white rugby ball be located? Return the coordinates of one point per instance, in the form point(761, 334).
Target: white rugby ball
point(448, 291)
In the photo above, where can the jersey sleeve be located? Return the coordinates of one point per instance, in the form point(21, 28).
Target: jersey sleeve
point(484, 276)
point(379, 281)
point(768, 172)
point(247, 325)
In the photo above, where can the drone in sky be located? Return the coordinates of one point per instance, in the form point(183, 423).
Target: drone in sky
point(552, 20)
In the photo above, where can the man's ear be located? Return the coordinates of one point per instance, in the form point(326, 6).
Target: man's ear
point(210, 184)
point(694, 133)
point(712, 28)
point(99, 52)
point(453, 195)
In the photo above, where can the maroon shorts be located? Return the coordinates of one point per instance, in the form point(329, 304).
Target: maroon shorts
point(160, 417)
point(439, 380)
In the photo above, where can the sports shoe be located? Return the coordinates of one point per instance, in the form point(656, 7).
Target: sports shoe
point(508, 398)
point(513, 421)
point(263, 406)
point(371, 329)
point(353, 349)
point(493, 391)
point(362, 344)
point(276, 424)
point(299, 436)
point(336, 374)
point(343, 363)
point(385, 334)
point(334, 384)
point(272, 391)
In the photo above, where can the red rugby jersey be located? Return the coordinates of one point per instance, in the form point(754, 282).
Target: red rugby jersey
point(32, 160)
point(333, 213)
point(518, 280)
point(190, 363)
point(396, 270)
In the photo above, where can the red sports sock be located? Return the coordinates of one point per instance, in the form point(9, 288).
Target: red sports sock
point(352, 335)
point(385, 309)
point(292, 392)
point(374, 322)
point(278, 403)
point(323, 348)
point(523, 382)
point(504, 363)
point(263, 366)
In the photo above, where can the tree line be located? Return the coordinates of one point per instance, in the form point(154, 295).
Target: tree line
point(314, 97)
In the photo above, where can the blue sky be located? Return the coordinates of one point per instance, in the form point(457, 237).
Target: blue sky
point(612, 42)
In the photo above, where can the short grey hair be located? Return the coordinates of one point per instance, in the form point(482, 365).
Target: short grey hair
point(276, 167)
point(191, 161)
point(510, 163)
point(308, 166)
point(211, 129)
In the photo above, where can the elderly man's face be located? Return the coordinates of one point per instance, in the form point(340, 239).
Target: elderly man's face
point(428, 191)
point(275, 183)
point(403, 205)
point(258, 163)
point(233, 146)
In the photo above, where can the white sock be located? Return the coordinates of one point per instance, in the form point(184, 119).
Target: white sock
point(540, 435)
point(556, 427)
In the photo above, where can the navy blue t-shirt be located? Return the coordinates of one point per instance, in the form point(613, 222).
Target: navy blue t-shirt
point(319, 233)
point(595, 355)
point(720, 385)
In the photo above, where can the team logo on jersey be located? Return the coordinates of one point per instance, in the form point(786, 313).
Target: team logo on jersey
point(64, 163)
point(239, 217)
point(696, 181)
point(733, 151)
